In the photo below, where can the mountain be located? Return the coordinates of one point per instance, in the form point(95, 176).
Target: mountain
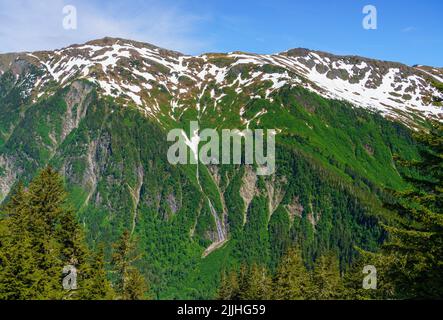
point(135, 70)
point(100, 112)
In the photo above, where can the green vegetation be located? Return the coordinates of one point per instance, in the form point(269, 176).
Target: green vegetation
point(334, 163)
point(412, 257)
point(408, 266)
point(292, 281)
point(39, 235)
point(130, 284)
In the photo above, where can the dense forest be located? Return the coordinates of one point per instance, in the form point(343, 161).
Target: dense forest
point(408, 265)
point(40, 234)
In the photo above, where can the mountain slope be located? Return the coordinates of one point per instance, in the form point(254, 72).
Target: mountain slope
point(138, 71)
point(100, 112)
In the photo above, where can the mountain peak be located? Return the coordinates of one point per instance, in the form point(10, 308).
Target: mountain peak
point(109, 41)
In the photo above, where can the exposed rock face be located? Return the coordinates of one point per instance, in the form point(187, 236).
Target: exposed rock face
point(100, 113)
point(294, 208)
point(248, 188)
point(275, 189)
point(77, 104)
point(8, 176)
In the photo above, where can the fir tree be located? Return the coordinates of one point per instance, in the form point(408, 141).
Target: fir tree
point(96, 284)
point(229, 287)
point(293, 281)
point(355, 275)
point(255, 284)
point(130, 285)
point(326, 278)
point(136, 287)
point(39, 236)
point(413, 254)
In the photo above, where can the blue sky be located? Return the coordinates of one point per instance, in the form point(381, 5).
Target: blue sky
point(408, 31)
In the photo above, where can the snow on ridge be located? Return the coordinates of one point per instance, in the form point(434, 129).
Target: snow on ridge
point(362, 84)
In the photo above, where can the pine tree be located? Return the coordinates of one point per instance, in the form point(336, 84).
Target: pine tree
point(414, 251)
point(19, 271)
point(129, 284)
point(256, 284)
point(33, 264)
point(72, 239)
point(292, 281)
point(229, 287)
point(355, 275)
point(136, 287)
point(16, 260)
point(38, 237)
point(326, 278)
point(96, 285)
point(249, 283)
point(46, 200)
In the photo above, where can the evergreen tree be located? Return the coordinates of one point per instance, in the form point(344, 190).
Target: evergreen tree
point(229, 286)
point(96, 285)
point(136, 287)
point(32, 268)
point(249, 283)
point(19, 272)
point(413, 254)
point(293, 281)
point(256, 284)
point(130, 285)
point(355, 275)
point(38, 237)
point(72, 239)
point(326, 278)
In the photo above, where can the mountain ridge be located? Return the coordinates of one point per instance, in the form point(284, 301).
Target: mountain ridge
point(394, 89)
point(111, 40)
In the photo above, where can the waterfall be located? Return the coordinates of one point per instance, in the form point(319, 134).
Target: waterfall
point(220, 232)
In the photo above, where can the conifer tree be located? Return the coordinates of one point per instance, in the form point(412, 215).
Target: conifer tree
point(256, 284)
point(229, 287)
point(33, 262)
point(292, 281)
point(326, 278)
point(136, 287)
point(38, 237)
point(72, 239)
point(130, 285)
point(96, 283)
point(413, 254)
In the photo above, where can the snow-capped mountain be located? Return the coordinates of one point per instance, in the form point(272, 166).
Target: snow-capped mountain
point(135, 72)
point(99, 113)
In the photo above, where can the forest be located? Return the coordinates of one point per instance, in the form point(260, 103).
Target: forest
point(40, 234)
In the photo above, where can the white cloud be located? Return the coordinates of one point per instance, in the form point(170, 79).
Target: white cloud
point(29, 25)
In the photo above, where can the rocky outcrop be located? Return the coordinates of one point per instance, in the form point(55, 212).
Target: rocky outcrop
point(9, 174)
point(76, 106)
point(275, 190)
point(248, 188)
point(294, 208)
